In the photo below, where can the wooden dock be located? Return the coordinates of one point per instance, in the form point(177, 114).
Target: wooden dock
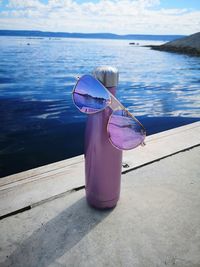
point(30, 188)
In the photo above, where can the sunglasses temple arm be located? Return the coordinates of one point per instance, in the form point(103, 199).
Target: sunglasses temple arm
point(115, 104)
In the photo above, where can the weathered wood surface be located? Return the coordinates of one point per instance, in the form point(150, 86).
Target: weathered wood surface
point(30, 187)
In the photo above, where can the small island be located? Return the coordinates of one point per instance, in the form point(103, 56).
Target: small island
point(187, 45)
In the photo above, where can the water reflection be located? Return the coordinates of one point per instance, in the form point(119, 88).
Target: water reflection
point(124, 131)
point(89, 95)
point(89, 104)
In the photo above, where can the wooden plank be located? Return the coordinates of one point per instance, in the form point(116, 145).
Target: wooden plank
point(29, 193)
point(36, 172)
point(163, 144)
point(29, 187)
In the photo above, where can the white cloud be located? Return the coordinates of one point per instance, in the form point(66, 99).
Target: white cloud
point(29, 4)
point(122, 16)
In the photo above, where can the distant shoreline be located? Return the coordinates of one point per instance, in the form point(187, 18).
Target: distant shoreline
point(28, 33)
point(188, 45)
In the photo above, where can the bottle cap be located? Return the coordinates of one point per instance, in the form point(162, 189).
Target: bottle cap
point(107, 75)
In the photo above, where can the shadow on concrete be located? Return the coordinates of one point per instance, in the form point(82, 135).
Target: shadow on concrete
point(57, 236)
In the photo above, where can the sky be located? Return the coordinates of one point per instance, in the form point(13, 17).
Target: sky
point(90, 16)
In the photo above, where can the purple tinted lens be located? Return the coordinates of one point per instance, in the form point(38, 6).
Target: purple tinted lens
point(124, 131)
point(90, 95)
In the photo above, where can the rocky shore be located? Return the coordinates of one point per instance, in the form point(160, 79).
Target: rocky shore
point(187, 45)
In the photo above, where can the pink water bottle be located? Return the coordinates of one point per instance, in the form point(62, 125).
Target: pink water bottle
point(103, 161)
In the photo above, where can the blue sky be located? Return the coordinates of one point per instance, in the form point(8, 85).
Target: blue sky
point(194, 4)
point(122, 16)
point(190, 4)
point(163, 3)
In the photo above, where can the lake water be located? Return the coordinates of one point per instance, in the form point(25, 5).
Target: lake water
point(39, 123)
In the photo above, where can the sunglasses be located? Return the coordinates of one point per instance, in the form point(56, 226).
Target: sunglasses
point(124, 130)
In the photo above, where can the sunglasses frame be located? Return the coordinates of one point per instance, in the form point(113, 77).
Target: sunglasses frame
point(114, 105)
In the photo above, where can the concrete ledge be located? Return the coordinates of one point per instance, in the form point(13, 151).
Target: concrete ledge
point(33, 186)
point(155, 224)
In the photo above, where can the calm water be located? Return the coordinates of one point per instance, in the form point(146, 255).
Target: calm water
point(39, 123)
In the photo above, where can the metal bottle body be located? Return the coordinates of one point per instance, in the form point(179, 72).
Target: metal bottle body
point(102, 162)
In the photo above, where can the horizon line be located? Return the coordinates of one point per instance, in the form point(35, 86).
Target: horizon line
point(46, 31)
